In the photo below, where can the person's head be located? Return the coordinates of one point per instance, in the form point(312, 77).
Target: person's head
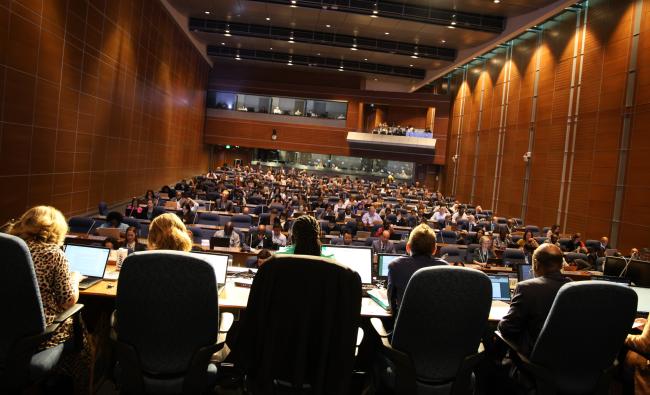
point(187, 208)
point(131, 234)
point(277, 229)
point(372, 210)
point(114, 219)
point(228, 228)
point(576, 237)
point(422, 241)
point(149, 205)
point(555, 229)
point(547, 259)
point(41, 223)
point(167, 232)
point(604, 241)
point(149, 194)
point(305, 233)
point(261, 231)
point(485, 242)
point(528, 235)
point(385, 235)
point(554, 238)
point(480, 233)
point(263, 256)
point(224, 195)
point(109, 243)
point(347, 238)
point(246, 211)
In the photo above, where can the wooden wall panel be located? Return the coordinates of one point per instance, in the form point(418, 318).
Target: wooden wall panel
point(599, 97)
point(100, 100)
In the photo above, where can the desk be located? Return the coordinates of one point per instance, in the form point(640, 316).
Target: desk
point(236, 298)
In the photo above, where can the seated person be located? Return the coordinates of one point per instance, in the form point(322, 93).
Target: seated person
point(463, 238)
point(188, 216)
point(278, 238)
point(131, 241)
point(167, 232)
point(114, 220)
point(305, 236)
point(421, 248)
point(383, 245)
point(371, 220)
point(346, 240)
point(110, 243)
point(229, 231)
point(150, 207)
point(637, 358)
point(503, 239)
point(533, 298)
point(484, 252)
point(261, 257)
point(261, 239)
point(528, 243)
point(186, 200)
point(223, 204)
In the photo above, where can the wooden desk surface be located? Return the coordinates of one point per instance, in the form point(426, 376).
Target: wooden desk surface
point(236, 298)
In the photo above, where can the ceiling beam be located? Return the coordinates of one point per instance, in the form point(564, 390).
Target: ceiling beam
point(403, 11)
point(314, 61)
point(322, 38)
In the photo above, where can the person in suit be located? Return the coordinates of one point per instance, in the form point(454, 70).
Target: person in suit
point(261, 239)
point(223, 204)
point(131, 241)
point(421, 248)
point(346, 240)
point(383, 245)
point(229, 231)
point(533, 298)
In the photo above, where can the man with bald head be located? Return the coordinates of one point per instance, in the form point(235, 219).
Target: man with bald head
point(383, 245)
point(533, 298)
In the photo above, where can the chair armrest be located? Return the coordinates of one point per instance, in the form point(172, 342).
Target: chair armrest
point(59, 319)
point(511, 345)
point(542, 375)
point(381, 331)
point(225, 322)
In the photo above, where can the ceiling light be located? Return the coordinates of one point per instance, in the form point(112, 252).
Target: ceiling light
point(497, 1)
point(293, 4)
point(291, 38)
point(451, 27)
point(410, 65)
point(290, 62)
point(268, 19)
point(206, 12)
point(386, 33)
point(227, 31)
point(223, 43)
point(366, 59)
point(354, 45)
point(328, 26)
point(271, 49)
point(443, 41)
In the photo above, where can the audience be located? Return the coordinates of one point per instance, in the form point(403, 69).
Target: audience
point(261, 239)
point(44, 228)
point(421, 248)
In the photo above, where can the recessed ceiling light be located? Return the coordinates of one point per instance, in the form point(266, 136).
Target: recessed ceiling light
point(328, 26)
point(268, 19)
point(451, 27)
point(206, 12)
point(497, 1)
point(223, 43)
point(271, 49)
point(354, 48)
point(318, 54)
point(410, 65)
point(443, 41)
point(366, 59)
point(414, 56)
point(386, 33)
point(293, 4)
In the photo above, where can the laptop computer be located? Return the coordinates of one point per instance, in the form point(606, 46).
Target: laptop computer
point(613, 279)
point(219, 263)
point(525, 272)
point(109, 232)
point(383, 260)
point(500, 287)
point(643, 302)
point(358, 259)
point(90, 261)
point(216, 241)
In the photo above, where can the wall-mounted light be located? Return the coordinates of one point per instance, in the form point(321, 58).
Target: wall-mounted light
point(454, 158)
point(527, 156)
point(274, 135)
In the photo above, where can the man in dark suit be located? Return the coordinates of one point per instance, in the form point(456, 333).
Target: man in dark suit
point(383, 245)
point(261, 239)
point(421, 247)
point(223, 204)
point(533, 298)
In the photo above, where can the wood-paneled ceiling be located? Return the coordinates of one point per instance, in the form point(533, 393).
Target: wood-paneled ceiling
point(378, 32)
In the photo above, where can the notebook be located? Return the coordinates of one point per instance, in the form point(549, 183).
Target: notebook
point(90, 261)
point(219, 263)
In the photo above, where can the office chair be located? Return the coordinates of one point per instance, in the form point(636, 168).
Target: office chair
point(614, 266)
point(80, 224)
point(579, 364)
point(453, 254)
point(592, 244)
point(437, 333)
point(242, 221)
point(400, 247)
point(532, 228)
point(166, 323)
point(131, 222)
point(469, 256)
point(448, 236)
point(207, 218)
point(565, 244)
point(102, 208)
point(513, 256)
point(573, 256)
point(264, 218)
point(199, 233)
point(21, 363)
point(540, 239)
point(300, 328)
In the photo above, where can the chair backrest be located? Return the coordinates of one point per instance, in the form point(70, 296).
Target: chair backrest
point(442, 317)
point(512, 256)
point(80, 224)
point(102, 208)
point(595, 244)
point(448, 236)
point(572, 256)
point(242, 221)
point(532, 228)
point(18, 286)
point(301, 331)
point(470, 252)
point(167, 308)
point(453, 254)
point(577, 362)
point(540, 239)
point(565, 244)
point(614, 266)
point(132, 222)
point(208, 219)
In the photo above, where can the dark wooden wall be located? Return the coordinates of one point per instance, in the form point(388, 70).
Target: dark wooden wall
point(100, 100)
point(578, 118)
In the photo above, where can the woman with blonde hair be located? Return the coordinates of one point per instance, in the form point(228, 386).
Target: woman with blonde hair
point(43, 228)
point(168, 232)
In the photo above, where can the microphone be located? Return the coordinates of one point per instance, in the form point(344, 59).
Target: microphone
point(627, 264)
point(444, 257)
point(91, 227)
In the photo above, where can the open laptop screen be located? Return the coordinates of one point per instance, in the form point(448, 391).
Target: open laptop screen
point(358, 259)
point(383, 261)
point(219, 263)
point(88, 260)
point(643, 303)
point(500, 287)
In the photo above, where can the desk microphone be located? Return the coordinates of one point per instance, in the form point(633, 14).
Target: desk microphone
point(91, 227)
point(627, 264)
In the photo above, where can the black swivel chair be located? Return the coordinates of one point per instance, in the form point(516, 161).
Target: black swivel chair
point(513, 256)
point(21, 364)
point(579, 364)
point(441, 320)
point(166, 324)
point(300, 328)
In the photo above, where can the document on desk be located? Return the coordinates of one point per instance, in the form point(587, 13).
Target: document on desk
point(380, 296)
point(112, 275)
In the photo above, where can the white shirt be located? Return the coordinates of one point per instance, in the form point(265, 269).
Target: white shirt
point(280, 239)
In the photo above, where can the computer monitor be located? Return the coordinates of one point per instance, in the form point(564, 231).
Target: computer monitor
point(217, 241)
point(643, 303)
point(612, 279)
point(219, 263)
point(358, 259)
point(500, 287)
point(525, 272)
point(383, 261)
point(90, 261)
